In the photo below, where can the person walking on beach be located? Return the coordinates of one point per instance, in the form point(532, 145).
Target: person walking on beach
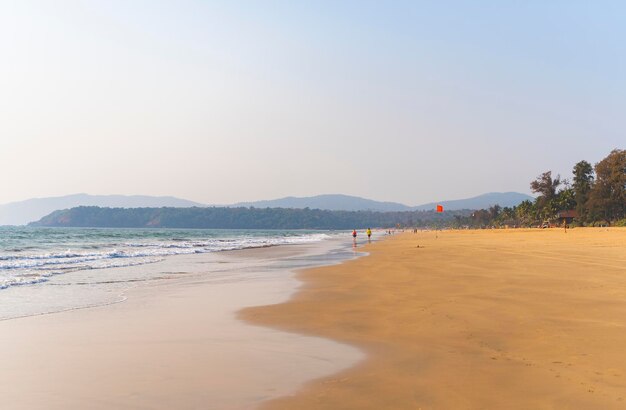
point(369, 234)
point(354, 233)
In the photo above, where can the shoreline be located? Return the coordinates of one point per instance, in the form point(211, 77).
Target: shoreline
point(173, 343)
point(48, 270)
point(469, 319)
point(144, 274)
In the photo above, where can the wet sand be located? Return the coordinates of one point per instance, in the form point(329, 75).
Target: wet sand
point(513, 319)
point(173, 344)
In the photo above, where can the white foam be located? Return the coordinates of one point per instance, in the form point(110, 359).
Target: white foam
point(31, 268)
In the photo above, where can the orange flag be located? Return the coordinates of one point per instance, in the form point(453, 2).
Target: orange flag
point(439, 208)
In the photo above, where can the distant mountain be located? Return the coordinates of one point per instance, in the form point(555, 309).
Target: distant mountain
point(23, 212)
point(483, 201)
point(353, 203)
point(328, 202)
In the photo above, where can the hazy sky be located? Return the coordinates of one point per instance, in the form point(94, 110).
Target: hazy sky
point(220, 102)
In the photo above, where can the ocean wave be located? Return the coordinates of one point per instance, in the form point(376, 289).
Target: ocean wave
point(18, 281)
point(19, 268)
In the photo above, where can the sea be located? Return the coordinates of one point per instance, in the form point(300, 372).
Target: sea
point(47, 270)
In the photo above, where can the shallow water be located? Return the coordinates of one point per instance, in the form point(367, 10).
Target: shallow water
point(45, 270)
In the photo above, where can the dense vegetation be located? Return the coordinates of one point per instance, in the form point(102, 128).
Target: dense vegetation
point(241, 218)
point(597, 194)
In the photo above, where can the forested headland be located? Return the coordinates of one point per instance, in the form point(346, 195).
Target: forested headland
point(242, 218)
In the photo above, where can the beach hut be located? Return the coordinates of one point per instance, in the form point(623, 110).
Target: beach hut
point(567, 216)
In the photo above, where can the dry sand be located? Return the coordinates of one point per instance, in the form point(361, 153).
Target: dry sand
point(506, 319)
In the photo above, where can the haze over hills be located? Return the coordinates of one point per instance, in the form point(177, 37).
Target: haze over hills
point(331, 202)
point(353, 203)
point(23, 212)
point(483, 201)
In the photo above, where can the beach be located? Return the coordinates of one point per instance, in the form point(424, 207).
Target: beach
point(478, 319)
point(515, 319)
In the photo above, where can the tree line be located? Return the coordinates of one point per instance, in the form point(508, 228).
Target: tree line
point(597, 194)
point(242, 218)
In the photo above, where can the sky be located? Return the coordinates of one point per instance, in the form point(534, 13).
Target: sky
point(221, 102)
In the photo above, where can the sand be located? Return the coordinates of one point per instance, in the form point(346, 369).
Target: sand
point(493, 319)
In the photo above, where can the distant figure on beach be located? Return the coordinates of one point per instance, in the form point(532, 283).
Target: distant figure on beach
point(354, 233)
point(369, 234)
